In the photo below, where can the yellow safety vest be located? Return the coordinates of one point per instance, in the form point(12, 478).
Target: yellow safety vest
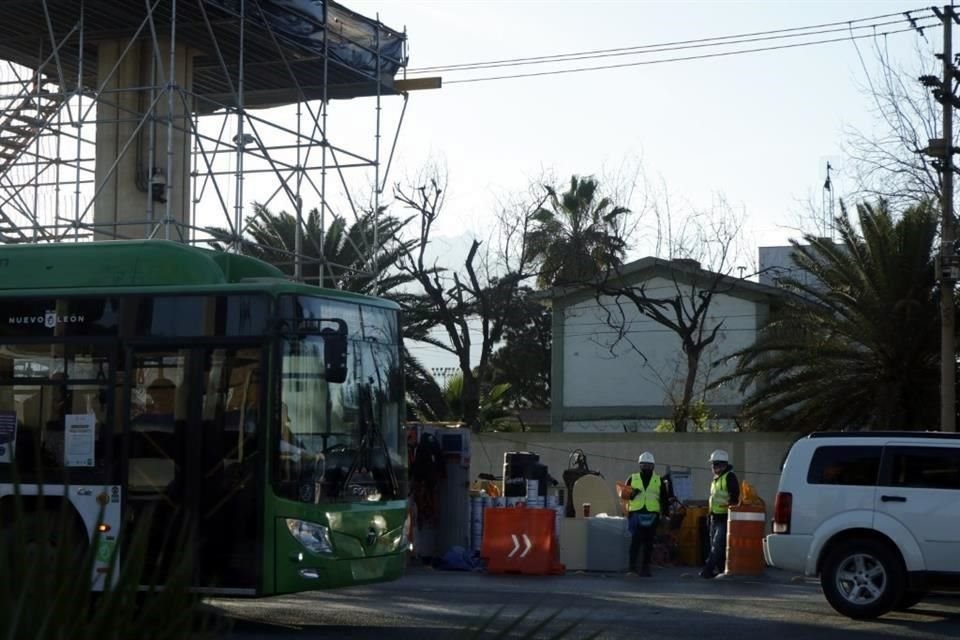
point(719, 495)
point(649, 497)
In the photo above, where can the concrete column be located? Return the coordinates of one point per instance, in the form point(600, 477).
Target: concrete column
point(130, 133)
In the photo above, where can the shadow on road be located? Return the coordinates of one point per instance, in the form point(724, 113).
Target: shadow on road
point(426, 605)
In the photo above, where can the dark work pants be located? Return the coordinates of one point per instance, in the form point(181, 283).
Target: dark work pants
point(717, 561)
point(642, 537)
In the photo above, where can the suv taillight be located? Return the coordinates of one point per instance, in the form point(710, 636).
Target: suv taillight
point(782, 510)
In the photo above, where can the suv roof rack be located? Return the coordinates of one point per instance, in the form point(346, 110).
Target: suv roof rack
point(884, 434)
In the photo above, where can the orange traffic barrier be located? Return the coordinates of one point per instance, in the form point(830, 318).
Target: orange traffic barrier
point(746, 525)
point(520, 540)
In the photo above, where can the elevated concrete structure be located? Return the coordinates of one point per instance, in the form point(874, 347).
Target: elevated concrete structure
point(132, 120)
point(137, 154)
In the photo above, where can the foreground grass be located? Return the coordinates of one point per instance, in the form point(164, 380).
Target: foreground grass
point(45, 585)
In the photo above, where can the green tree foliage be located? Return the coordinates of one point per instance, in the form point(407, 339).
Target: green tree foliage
point(353, 257)
point(858, 345)
point(523, 361)
point(578, 236)
point(493, 401)
point(699, 420)
point(425, 398)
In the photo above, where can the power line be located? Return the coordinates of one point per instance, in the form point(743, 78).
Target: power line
point(721, 54)
point(760, 36)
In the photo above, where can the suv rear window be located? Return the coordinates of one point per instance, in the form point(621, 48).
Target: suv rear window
point(925, 467)
point(856, 465)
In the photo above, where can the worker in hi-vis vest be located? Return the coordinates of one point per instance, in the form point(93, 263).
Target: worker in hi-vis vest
point(649, 497)
point(724, 491)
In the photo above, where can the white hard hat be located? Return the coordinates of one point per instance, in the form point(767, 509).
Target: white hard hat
point(719, 456)
point(646, 457)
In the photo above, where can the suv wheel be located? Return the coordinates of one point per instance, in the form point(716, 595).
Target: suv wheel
point(862, 578)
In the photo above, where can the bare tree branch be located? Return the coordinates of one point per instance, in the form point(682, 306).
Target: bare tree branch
point(459, 298)
point(711, 236)
point(887, 161)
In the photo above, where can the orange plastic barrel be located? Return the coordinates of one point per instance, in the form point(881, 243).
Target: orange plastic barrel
point(746, 526)
point(689, 539)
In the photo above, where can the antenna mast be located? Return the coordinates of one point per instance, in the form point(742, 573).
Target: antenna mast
point(827, 205)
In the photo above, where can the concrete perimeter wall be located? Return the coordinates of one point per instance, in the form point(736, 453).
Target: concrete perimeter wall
point(756, 457)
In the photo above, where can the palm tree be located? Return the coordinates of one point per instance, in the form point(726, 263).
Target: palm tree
point(360, 258)
point(493, 401)
point(578, 237)
point(859, 346)
point(351, 258)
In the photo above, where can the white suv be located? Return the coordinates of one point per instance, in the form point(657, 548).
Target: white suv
point(875, 515)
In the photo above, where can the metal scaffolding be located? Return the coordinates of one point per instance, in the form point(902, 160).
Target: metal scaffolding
point(169, 118)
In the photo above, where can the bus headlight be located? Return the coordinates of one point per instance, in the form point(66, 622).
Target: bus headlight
point(315, 537)
point(403, 543)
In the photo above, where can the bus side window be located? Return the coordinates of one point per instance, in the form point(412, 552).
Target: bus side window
point(53, 435)
point(161, 399)
point(26, 445)
point(241, 415)
point(151, 467)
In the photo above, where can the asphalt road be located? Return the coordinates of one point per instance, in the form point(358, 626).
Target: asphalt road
point(674, 604)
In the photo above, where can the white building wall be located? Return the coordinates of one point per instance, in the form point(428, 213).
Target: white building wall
point(648, 366)
point(777, 263)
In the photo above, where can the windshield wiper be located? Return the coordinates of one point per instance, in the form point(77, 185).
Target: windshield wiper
point(372, 435)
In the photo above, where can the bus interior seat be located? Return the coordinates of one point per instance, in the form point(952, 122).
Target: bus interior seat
point(150, 475)
point(153, 435)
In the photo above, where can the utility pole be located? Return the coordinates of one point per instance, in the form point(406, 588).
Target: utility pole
point(948, 358)
point(947, 263)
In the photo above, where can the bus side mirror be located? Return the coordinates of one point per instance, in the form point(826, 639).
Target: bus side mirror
point(335, 353)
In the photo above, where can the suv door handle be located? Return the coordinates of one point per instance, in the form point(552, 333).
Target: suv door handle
point(893, 499)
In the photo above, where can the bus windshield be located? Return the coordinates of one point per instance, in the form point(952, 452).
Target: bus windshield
point(340, 440)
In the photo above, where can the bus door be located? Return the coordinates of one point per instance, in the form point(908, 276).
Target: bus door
point(194, 457)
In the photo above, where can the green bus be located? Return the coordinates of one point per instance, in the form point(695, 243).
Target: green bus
point(203, 387)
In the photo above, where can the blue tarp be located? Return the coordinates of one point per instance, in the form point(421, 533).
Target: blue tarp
point(459, 559)
point(354, 40)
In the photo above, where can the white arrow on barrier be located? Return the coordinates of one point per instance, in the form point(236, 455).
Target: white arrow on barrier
point(516, 546)
point(529, 545)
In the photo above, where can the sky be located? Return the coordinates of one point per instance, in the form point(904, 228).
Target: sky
point(756, 129)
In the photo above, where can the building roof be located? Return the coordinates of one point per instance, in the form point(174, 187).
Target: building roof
point(682, 270)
